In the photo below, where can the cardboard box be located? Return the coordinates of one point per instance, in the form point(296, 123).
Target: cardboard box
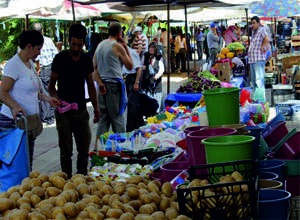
point(224, 72)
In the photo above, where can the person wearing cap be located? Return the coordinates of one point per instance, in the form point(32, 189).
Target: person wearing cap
point(140, 38)
point(213, 43)
point(258, 48)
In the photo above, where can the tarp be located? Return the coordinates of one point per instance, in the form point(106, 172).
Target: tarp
point(55, 9)
point(14, 161)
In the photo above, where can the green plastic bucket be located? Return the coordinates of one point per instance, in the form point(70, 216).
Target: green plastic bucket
point(228, 148)
point(222, 106)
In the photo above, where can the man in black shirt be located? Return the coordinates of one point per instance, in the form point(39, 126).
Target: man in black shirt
point(71, 69)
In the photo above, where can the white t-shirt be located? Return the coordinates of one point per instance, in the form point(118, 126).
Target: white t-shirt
point(26, 86)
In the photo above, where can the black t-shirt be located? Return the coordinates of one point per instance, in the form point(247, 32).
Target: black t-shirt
point(72, 76)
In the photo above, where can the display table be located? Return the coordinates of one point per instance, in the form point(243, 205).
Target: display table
point(187, 99)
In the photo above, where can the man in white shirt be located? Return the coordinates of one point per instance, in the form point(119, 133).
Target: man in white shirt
point(164, 42)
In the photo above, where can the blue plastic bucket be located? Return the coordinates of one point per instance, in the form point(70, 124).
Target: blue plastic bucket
point(275, 166)
point(267, 175)
point(255, 131)
point(274, 204)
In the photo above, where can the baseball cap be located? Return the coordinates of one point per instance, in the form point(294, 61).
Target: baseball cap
point(212, 25)
point(137, 29)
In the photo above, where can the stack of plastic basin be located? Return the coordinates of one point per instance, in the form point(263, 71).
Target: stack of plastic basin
point(196, 149)
point(275, 166)
point(292, 174)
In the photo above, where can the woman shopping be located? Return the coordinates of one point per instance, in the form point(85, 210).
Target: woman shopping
point(180, 51)
point(152, 74)
point(21, 89)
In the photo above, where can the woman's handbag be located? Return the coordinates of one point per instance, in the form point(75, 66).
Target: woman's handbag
point(34, 125)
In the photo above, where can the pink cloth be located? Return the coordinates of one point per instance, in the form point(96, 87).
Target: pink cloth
point(229, 37)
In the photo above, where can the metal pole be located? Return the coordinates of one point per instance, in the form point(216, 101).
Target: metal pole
point(65, 36)
point(168, 45)
point(73, 11)
point(188, 45)
point(26, 22)
point(246, 9)
point(275, 45)
point(194, 32)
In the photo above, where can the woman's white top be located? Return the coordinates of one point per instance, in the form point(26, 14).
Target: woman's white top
point(26, 87)
point(181, 42)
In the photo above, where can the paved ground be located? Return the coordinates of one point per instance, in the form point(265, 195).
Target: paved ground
point(46, 157)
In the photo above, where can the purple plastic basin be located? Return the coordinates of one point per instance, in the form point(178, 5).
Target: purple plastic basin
point(171, 170)
point(192, 128)
point(291, 148)
point(274, 136)
point(196, 149)
point(189, 130)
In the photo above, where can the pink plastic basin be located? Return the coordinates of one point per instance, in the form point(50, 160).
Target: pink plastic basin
point(274, 136)
point(196, 149)
point(171, 170)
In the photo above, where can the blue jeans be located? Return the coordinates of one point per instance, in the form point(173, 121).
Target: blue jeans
point(257, 71)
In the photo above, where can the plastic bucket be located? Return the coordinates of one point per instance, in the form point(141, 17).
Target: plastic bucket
point(255, 131)
point(222, 106)
point(275, 166)
point(189, 130)
point(196, 148)
point(274, 204)
point(270, 184)
point(228, 148)
point(192, 128)
point(171, 170)
point(267, 175)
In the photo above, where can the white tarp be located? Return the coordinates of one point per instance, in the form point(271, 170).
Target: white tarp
point(50, 9)
point(202, 15)
point(13, 8)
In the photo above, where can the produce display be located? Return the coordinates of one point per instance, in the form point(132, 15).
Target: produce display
point(82, 197)
point(236, 46)
point(199, 82)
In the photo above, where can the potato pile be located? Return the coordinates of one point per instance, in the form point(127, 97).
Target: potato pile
point(55, 197)
point(231, 200)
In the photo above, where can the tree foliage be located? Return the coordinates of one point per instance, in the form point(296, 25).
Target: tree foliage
point(9, 36)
